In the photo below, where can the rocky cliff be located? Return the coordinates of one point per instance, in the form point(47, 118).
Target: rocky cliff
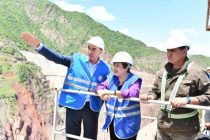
point(27, 106)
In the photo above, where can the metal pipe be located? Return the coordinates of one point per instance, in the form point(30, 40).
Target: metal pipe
point(71, 136)
point(138, 100)
point(55, 114)
point(148, 117)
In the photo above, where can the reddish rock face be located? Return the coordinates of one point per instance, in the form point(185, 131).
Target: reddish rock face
point(30, 116)
point(29, 123)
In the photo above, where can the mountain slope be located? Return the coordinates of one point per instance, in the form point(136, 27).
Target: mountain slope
point(67, 32)
point(25, 97)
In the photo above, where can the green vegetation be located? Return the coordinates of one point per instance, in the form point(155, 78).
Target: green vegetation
point(8, 50)
point(6, 85)
point(1, 70)
point(67, 32)
point(11, 101)
point(12, 51)
point(5, 88)
point(25, 71)
point(13, 71)
point(201, 60)
point(5, 67)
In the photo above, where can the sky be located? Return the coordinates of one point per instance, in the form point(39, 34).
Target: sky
point(155, 22)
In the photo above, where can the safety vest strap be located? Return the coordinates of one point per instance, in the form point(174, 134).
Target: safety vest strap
point(124, 108)
point(123, 115)
point(76, 79)
point(175, 89)
point(182, 116)
point(76, 86)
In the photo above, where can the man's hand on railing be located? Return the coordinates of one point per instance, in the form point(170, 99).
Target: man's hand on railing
point(182, 101)
point(179, 102)
point(207, 125)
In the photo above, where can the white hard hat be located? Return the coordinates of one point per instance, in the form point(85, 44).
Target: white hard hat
point(176, 42)
point(122, 57)
point(97, 41)
point(208, 68)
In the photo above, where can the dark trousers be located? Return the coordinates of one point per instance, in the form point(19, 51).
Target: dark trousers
point(90, 122)
point(114, 137)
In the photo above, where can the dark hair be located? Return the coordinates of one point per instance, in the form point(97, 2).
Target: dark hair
point(125, 65)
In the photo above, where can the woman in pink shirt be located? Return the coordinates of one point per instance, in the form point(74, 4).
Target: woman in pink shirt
point(122, 116)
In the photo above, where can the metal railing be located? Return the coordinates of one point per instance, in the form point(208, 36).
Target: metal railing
point(60, 131)
point(138, 100)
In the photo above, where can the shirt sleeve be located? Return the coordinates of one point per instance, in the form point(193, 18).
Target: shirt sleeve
point(203, 89)
point(103, 85)
point(41, 45)
point(133, 90)
point(156, 89)
point(54, 56)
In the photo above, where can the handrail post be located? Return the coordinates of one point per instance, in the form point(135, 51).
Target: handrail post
point(55, 112)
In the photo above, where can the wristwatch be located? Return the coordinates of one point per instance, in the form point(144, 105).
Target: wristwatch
point(188, 99)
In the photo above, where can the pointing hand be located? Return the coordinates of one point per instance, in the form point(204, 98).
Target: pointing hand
point(31, 40)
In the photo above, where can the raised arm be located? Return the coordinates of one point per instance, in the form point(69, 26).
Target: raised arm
point(33, 41)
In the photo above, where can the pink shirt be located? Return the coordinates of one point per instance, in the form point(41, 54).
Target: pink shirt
point(133, 91)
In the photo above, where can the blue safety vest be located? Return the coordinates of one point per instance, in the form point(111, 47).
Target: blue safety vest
point(124, 113)
point(79, 77)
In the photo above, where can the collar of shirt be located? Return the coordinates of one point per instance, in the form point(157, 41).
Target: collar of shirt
point(92, 67)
